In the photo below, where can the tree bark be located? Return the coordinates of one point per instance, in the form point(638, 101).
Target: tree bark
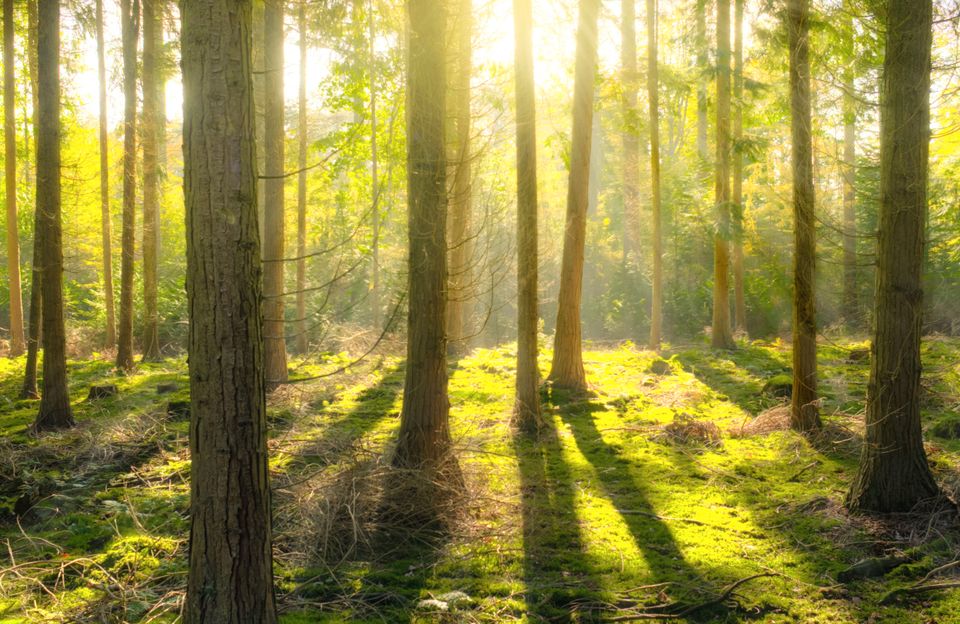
point(231, 572)
point(804, 411)
point(567, 369)
point(526, 412)
point(17, 339)
point(722, 337)
point(303, 342)
point(630, 135)
point(701, 43)
point(30, 390)
point(273, 222)
point(851, 305)
point(105, 216)
point(374, 174)
point(130, 27)
point(151, 177)
point(54, 410)
point(739, 297)
point(653, 99)
point(894, 475)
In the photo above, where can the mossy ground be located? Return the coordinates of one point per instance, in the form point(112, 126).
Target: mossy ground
point(608, 512)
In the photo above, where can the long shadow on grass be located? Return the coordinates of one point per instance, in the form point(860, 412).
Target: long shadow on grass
point(743, 383)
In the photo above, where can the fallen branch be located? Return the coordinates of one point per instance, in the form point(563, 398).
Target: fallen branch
point(690, 609)
point(917, 589)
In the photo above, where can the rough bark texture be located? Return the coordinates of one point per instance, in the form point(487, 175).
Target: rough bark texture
point(461, 186)
point(804, 413)
point(701, 43)
point(526, 411)
point(275, 349)
point(151, 177)
point(722, 335)
point(567, 369)
point(424, 438)
point(653, 102)
point(630, 136)
point(17, 339)
point(130, 27)
point(894, 474)
point(30, 389)
point(105, 216)
point(55, 400)
point(850, 306)
point(739, 297)
point(302, 342)
point(231, 576)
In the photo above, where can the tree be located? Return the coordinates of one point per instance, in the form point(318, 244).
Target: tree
point(374, 172)
point(653, 99)
point(54, 410)
point(850, 305)
point(722, 336)
point(30, 389)
point(151, 83)
point(526, 411)
point(894, 475)
point(17, 339)
point(273, 219)
point(804, 413)
point(567, 369)
point(630, 136)
point(105, 217)
point(130, 28)
point(701, 43)
point(301, 303)
point(231, 574)
point(739, 298)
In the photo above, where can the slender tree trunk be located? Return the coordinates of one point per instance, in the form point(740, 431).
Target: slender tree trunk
point(851, 306)
point(130, 27)
point(374, 173)
point(54, 410)
point(151, 177)
point(526, 411)
point(739, 297)
point(275, 349)
point(303, 343)
point(231, 571)
point(701, 43)
point(630, 136)
point(461, 200)
point(653, 99)
point(722, 336)
point(17, 339)
point(30, 390)
point(894, 475)
point(567, 369)
point(105, 216)
point(805, 415)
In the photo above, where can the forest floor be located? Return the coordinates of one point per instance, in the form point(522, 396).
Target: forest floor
point(657, 493)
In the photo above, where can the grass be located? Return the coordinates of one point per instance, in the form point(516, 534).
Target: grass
point(660, 486)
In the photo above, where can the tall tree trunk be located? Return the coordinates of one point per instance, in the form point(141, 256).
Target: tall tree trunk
point(231, 571)
point(105, 216)
point(30, 390)
point(722, 336)
point(567, 369)
point(739, 297)
point(424, 439)
point(630, 136)
point(130, 27)
point(526, 411)
point(653, 99)
point(851, 306)
point(303, 342)
point(461, 192)
point(151, 177)
point(701, 43)
point(17, 339)
point(804, 413)
point(374, 172)
point(894, 475)
point(54, 410)
point(275, 349)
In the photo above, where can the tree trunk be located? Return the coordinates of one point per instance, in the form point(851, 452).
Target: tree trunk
point(804, 412)
point(374, 174)
point(567, 369)
point(722, 336)
point(526, 411)
point(303, 342)
point(130, 27)
point(461, 192)
point(894, 475)
point(30, 390)
point(630, 136)
point(105, 216)
point(151, 177)
point(55, 401)
point(701, 43)
point(17, 339)
point(231, 571)
point(653, 95)
point(850, 306)
point(275, 349)
point(739, 297)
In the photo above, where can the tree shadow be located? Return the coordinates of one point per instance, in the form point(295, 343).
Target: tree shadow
point(743, 382)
